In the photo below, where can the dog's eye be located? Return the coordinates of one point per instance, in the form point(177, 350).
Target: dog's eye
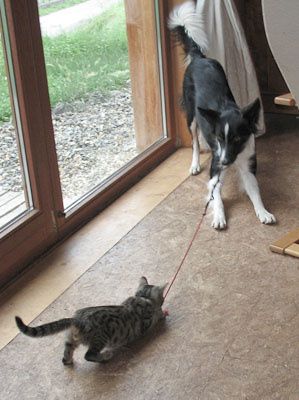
point(237, 139)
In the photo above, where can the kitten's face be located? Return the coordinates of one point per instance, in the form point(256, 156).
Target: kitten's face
point(154, 293)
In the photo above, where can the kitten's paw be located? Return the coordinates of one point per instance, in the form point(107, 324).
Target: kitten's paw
point(265, 217)
point(105, 356)
point(102, 361)
point(219, 221)
point(194, 169)
point(67, 362)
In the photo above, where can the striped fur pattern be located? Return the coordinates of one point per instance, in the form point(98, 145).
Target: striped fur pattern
point(105, 329)
point(46, 329)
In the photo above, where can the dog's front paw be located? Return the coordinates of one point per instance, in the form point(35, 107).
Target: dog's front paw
point(194, 169)
point(219, 221)
point(265, 217)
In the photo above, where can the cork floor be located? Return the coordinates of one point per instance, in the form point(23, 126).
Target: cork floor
point(53, 274)
point(233, 329)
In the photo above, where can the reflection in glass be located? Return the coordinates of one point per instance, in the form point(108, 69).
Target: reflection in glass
point(103, 80)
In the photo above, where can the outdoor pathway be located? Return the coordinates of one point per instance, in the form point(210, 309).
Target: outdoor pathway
point(66, 20)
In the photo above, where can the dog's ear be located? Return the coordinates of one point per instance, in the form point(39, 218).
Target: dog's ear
point(251, 113)
point(211, 116)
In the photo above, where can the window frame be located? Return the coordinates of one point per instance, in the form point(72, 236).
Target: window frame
point(41, 228)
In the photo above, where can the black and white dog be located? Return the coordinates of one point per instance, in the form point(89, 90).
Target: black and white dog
point(212, 112)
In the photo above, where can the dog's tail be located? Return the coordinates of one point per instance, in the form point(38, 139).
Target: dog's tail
point(188, 29)
point(46, 329)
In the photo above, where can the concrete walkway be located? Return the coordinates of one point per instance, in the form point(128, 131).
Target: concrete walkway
point(68, 19)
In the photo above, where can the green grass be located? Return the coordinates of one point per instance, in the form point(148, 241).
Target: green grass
point(60, 6)
point(92, 58)
point(5, 110)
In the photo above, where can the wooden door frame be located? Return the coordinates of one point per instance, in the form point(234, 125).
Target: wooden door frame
point(35, 230)
point(35, 235)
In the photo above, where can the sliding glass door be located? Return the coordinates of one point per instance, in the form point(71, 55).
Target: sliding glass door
point(102, 62)
point(84, 114)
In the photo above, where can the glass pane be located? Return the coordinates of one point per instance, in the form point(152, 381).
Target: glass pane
point(15, 196)
point(102, 60)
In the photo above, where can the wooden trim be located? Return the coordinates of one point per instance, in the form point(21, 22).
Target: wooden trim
point(18, 224)
point(171, 97)
point(22, 251)
point(144, 71)
point(176, 59)
point(45, 106)
point(282, 244)
point(271, 107)
point(293, 250)
point(29, 100)
point(34, 230)
point(285, 100)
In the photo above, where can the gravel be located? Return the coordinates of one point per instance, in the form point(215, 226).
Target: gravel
point(10, 171)
point(94, 138)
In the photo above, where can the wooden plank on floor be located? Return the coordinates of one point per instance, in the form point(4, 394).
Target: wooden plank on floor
point(293, 250)
point(12, 204)
point(280, 245)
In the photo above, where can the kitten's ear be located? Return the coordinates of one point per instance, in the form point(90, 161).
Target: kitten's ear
point(162, 288)
point(211, 116)
point(158, 292)
point(143, 281)
point(251, 113)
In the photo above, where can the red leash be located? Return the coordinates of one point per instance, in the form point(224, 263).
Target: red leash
point(192, 240)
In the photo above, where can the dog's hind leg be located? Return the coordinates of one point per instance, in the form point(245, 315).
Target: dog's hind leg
point(203, 144)
point(189, 107)
point(195, 164)
point(246, 163)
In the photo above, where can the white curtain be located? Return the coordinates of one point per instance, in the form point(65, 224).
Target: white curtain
point(227, 44)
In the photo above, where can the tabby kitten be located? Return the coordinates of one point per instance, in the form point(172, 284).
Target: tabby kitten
point(106, 328)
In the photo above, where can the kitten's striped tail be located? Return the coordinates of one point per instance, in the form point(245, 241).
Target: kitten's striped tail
point(46, 329)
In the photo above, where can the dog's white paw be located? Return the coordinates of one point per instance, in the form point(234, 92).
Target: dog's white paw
point(265, 217)
point(194, 169)
point(219, 221)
